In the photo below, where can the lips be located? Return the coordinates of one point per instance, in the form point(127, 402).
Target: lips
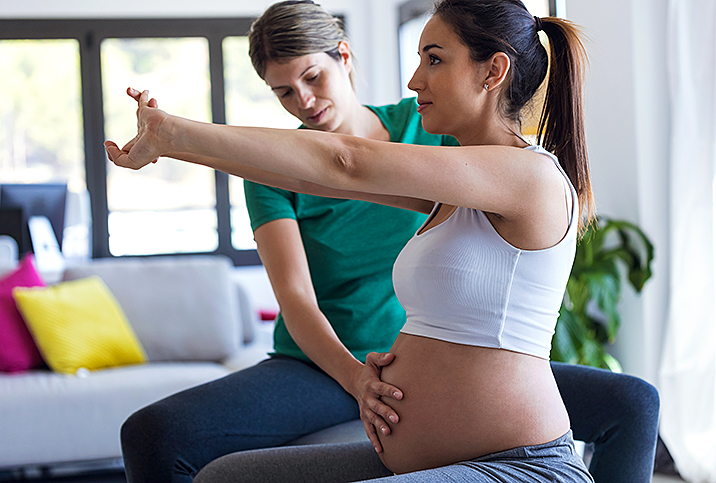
point(316, 118)
point(423, 105)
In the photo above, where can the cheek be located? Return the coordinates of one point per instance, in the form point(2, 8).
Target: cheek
point(289, 105)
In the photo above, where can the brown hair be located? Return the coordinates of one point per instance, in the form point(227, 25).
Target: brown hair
point(487, 27)
point(292, 29)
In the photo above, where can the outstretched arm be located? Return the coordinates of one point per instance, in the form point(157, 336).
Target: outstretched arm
point(146, 122)
point(306, 187)
point(517, 184)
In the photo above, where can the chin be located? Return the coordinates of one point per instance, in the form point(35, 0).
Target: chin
point(432, 124)
point(432, 127)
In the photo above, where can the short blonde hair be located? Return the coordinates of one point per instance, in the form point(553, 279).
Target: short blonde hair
point(294, 28)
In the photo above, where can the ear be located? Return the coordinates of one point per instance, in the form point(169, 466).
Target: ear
point(346, 55)
point(498, 68)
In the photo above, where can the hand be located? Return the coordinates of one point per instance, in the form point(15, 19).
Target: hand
point(369, 389)
point(146, 146)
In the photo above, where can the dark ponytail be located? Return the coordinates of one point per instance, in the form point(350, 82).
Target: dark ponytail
point(487, 27)
point(561, 125)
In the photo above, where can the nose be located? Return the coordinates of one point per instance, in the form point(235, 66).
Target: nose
point(305, 98)
point(415, 83)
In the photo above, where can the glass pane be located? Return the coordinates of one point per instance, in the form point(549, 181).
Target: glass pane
point(168, 207)
point(41, 110)
point(41, 138)
point(408, 40)
point(249, 102)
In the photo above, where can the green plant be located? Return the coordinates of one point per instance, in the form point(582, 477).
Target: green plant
point(589, 318)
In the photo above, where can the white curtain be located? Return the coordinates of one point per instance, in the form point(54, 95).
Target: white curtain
point(687, 379)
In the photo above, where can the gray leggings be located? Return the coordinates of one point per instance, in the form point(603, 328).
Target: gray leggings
point(553, 462)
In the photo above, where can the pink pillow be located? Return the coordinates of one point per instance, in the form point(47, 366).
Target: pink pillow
point(18, 351)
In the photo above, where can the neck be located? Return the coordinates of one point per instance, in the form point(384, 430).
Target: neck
point(361, 121)
point(492, 132)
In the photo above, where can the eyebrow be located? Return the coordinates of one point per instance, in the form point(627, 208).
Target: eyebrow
point(299, 76)
point(431, 46)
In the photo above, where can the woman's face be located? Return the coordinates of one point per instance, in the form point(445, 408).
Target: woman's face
point(449, 84)
point(315, 88)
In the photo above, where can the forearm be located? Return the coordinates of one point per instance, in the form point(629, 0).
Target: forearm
point(303, 155)
point(280, 246)
point(257, 175)
point(247, 172)
point(313, 333)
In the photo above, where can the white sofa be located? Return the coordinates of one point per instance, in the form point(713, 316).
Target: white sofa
point(195, 324)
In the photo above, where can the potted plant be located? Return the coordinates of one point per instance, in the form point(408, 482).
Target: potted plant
point(588, 318)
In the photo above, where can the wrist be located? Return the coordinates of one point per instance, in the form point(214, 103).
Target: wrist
point(352, 383)
point(168, 134)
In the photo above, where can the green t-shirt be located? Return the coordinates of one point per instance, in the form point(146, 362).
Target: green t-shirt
point(351, 247)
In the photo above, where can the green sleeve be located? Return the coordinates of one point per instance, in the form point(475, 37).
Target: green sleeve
point(449, 141)
point(266, 204)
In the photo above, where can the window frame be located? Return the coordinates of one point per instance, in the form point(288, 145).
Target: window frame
point(89, 33)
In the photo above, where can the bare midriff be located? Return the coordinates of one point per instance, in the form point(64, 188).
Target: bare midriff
point(461, 402)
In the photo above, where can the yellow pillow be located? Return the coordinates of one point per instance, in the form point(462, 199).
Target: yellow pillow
point(79, 324)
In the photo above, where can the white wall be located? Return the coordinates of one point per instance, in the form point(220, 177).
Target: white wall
point(627, 134)
point(371, 25)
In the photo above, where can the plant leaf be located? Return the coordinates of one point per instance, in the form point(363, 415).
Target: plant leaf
point(589, 317)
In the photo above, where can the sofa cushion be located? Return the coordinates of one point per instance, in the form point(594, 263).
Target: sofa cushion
point(18, 351)
point(60, 418)
point(182, 308)
point(79, 324)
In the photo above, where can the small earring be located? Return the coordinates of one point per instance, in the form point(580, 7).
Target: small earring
point(487, 86)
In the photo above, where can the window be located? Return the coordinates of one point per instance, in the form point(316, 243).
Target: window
point(168, 207)
point(249, 102)
point(41, 112)
point(66, 95)
point(41, 137)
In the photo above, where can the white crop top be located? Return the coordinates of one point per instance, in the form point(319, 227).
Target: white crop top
point(461, 282)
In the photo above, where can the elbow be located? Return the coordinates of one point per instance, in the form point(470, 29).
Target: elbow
point(345, 165)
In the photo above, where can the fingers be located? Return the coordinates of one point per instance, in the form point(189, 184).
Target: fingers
point(143, 101)
point(373, 436)
point(115, 154)
point(380, 359)
point(112, 149)
point(120, 157)
point(382, 412)
point(129, 144)
point(386, 390)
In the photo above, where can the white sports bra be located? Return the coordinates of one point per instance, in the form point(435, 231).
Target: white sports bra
point(461, 282)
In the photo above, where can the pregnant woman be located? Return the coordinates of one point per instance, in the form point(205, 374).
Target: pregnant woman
point(483, 279)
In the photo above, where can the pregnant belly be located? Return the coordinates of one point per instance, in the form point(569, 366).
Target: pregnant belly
point(461, 402)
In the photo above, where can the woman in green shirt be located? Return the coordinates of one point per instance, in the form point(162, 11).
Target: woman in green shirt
point(329, 261)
